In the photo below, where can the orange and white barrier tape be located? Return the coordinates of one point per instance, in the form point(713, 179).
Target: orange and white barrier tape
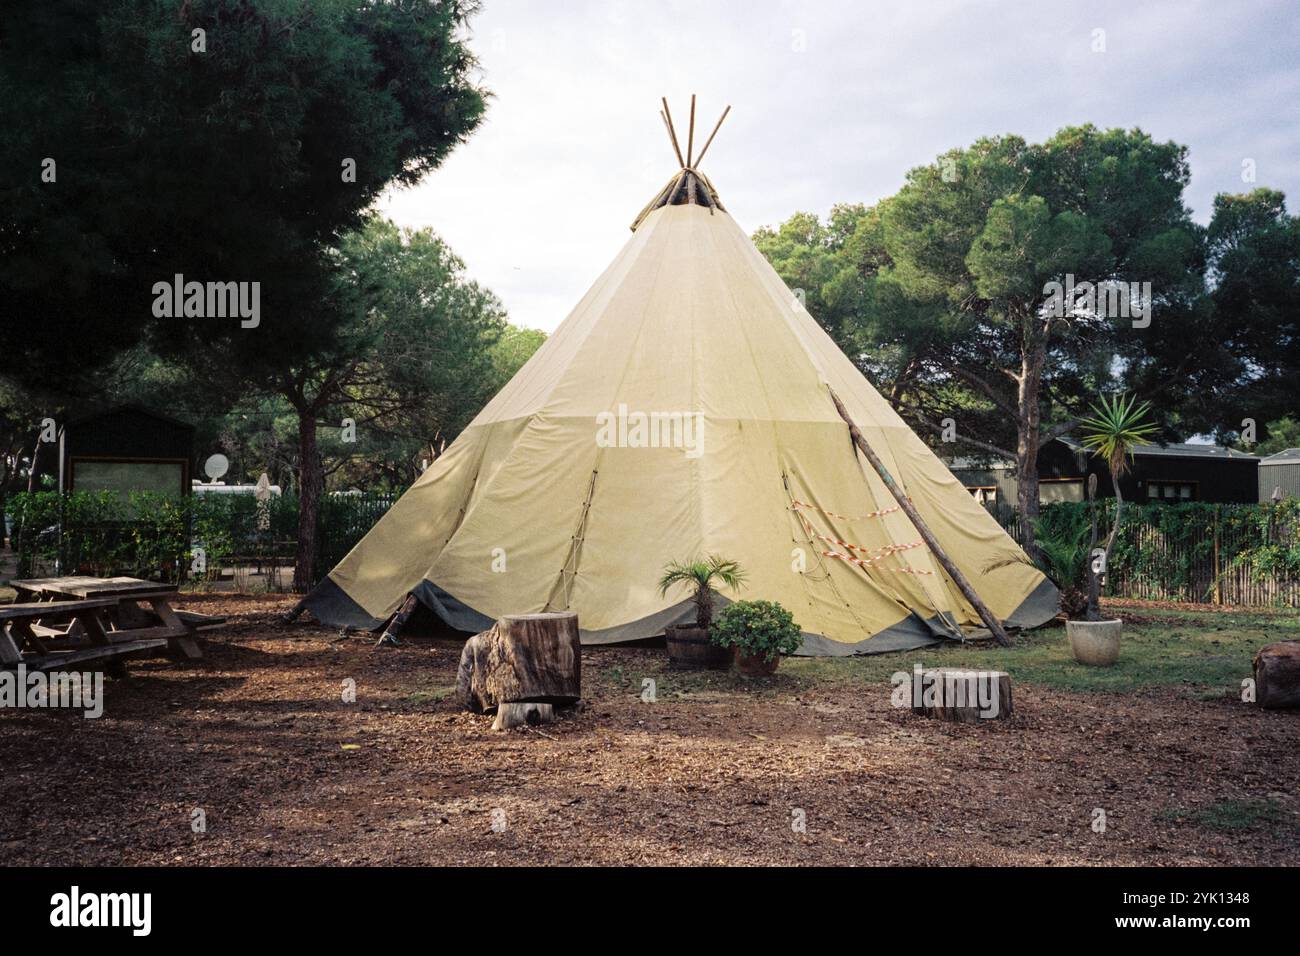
point(797, 505)
point(883, 551)
point(870, 562)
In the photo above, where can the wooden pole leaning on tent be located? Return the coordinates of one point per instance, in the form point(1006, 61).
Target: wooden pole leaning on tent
point(398, 621)
point(990, 621)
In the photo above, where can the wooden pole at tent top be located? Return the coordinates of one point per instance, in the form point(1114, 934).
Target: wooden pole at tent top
point(700, 158)
point(672, 133)
point(959, 579)
point(690, 136)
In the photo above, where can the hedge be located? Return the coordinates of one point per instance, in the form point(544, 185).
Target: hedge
point(1246, 555)
point(162, 537)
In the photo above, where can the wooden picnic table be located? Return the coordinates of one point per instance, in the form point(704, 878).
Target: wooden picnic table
point(124, 597)
point(34, 627)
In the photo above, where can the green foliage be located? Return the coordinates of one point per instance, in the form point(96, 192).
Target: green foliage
point(515, 347)
point(1282, 433)
point(937, 292)
point(1168, 551)
point(1254, 262)
point(756, 627)
point(1063, 557)
point(1118, 425)
point(223, 164)
point(157, 536)
point(700, 576)
point(417, 358)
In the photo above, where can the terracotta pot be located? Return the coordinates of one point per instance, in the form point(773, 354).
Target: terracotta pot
point(1095, 642)
point(753, 665)
point(690, 646)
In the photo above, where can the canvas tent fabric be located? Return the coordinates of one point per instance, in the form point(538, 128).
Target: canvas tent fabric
point(683, 409)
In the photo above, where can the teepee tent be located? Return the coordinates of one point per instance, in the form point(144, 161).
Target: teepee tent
point(686, 407)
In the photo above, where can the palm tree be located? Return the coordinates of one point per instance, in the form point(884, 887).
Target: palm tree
point(1118, 426)
point(701, 575)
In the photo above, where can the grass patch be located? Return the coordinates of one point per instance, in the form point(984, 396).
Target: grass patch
point(672, 681)
point(432, 695)
point(1209, 657)
point(1206, 655)
point(1228, 815)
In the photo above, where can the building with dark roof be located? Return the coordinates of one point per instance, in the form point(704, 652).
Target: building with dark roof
point(1163, 473)
point(126, 449)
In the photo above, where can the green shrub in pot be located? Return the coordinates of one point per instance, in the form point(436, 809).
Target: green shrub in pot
point(760, 631)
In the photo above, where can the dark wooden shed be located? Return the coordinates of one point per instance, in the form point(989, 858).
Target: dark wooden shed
point(1164, 473)
point(126, 449)
point(1158, 473)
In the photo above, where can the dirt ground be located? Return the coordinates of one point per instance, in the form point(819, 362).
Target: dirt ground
point(715, 771)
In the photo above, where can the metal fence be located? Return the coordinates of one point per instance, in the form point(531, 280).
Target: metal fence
point(1244, 555)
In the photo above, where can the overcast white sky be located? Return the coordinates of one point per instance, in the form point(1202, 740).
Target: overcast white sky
point(832, 101)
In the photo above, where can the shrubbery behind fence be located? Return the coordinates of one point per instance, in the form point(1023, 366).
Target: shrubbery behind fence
point(160, 537)
point(1228, 554)
point(1246, 555)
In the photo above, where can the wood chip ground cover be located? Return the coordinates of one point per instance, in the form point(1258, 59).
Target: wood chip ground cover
point(714, 771)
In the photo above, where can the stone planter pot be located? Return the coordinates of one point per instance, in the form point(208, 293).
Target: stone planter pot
point(754, 665)
point(690, 646)
point(1095, 643)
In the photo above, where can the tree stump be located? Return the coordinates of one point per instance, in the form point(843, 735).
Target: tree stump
point(1277, 675)
point(524, 658)
point(962, 696)
point(515, 715)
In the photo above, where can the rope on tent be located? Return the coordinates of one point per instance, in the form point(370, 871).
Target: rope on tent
point(563, 586)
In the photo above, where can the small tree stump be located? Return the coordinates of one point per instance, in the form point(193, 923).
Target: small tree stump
point(524, 658)
point(1277, 675)
point(962, 696)
point(518, 714)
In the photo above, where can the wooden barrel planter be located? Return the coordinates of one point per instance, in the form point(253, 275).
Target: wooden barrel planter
point(690, 646)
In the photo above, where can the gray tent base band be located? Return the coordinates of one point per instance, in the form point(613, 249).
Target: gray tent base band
point(331, 605)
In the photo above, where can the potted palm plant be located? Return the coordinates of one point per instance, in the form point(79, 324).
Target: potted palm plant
point(689, 643)
point(1118, 426)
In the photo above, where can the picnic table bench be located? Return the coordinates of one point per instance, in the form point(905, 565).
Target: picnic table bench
point(122, 599)
point(20, 623)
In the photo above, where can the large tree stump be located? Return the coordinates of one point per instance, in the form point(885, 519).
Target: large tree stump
point(1277, 675)
point(962, 696)
point(524, 658)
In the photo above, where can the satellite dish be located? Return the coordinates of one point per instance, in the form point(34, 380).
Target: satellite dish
point(216, 466)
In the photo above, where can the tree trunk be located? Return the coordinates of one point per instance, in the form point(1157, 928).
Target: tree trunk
point(36, 460)
point(703, 608)
point(1277, 675)
point(1094, 580)
point(1027, 428)
point(525, 658)
point(311, 482)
